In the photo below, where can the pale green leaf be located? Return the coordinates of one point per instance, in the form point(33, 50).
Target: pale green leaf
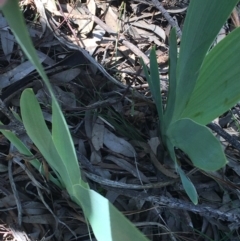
point(154, 82)
point(203, 22)
point(198, 143)
point(188, 186)
point(40, 135)
point(64, 145)
point(217, 88)
point(107, 222)
point(25, 151)
point(16, 22)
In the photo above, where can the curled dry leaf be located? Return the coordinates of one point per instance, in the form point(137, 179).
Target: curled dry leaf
point(66, 75)
point(19, 72)
point(91, 43)
point(7, 41)
point(85, 26)
point(7, 201)
point(97, 134)
point(117, 144)
point(210, 195)
point(128, 167)
point(111, 195)
point(66, 99)
point(95, 157)
point(3, 168)
point(111, 19)
point(154, 28)
point(234, 164)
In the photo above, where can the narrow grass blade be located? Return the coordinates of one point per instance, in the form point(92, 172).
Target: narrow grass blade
point(172, 78)
point(188, 186)
point(203, 22)
point(64, 145)
point(154, 83)
point(198, 143)
point(218, 85)
point(25, 151)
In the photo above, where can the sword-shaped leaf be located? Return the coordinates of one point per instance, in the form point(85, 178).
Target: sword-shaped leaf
point(154, 82)
point(172, 78)
point(218, 85)
point(203, 22)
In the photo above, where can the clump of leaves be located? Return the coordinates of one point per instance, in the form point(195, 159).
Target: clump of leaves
point(203, 84)
point(57, 147)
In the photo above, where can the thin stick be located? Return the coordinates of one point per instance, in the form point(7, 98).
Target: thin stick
point(168, 17)
point(233, 141)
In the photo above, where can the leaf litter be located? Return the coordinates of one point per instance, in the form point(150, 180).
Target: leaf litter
point(114, 130)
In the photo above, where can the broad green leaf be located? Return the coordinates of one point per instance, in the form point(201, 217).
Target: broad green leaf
point(198, 143)
point(64, 145)
point(203, 22)
point(154, 82)
point(218, 85)
point(108, 224)
point(25, 151)
point(188, 186)
point(172, 78)
point(38, 131)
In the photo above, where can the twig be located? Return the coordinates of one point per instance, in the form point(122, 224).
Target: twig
point(164, 12)
point(233, 141)
point(107, 182)
point(131, 46)
point(232, 217)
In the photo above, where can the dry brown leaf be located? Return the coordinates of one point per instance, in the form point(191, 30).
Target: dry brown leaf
point(128, 167)
point(66, 75)
point(117, 144)
point(154, 28)
point(111, 19)
point(97, 134)
point(85, 26)
point(7, 41)
point(66, 99)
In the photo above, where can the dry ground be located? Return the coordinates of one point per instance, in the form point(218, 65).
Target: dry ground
point(109, 111)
